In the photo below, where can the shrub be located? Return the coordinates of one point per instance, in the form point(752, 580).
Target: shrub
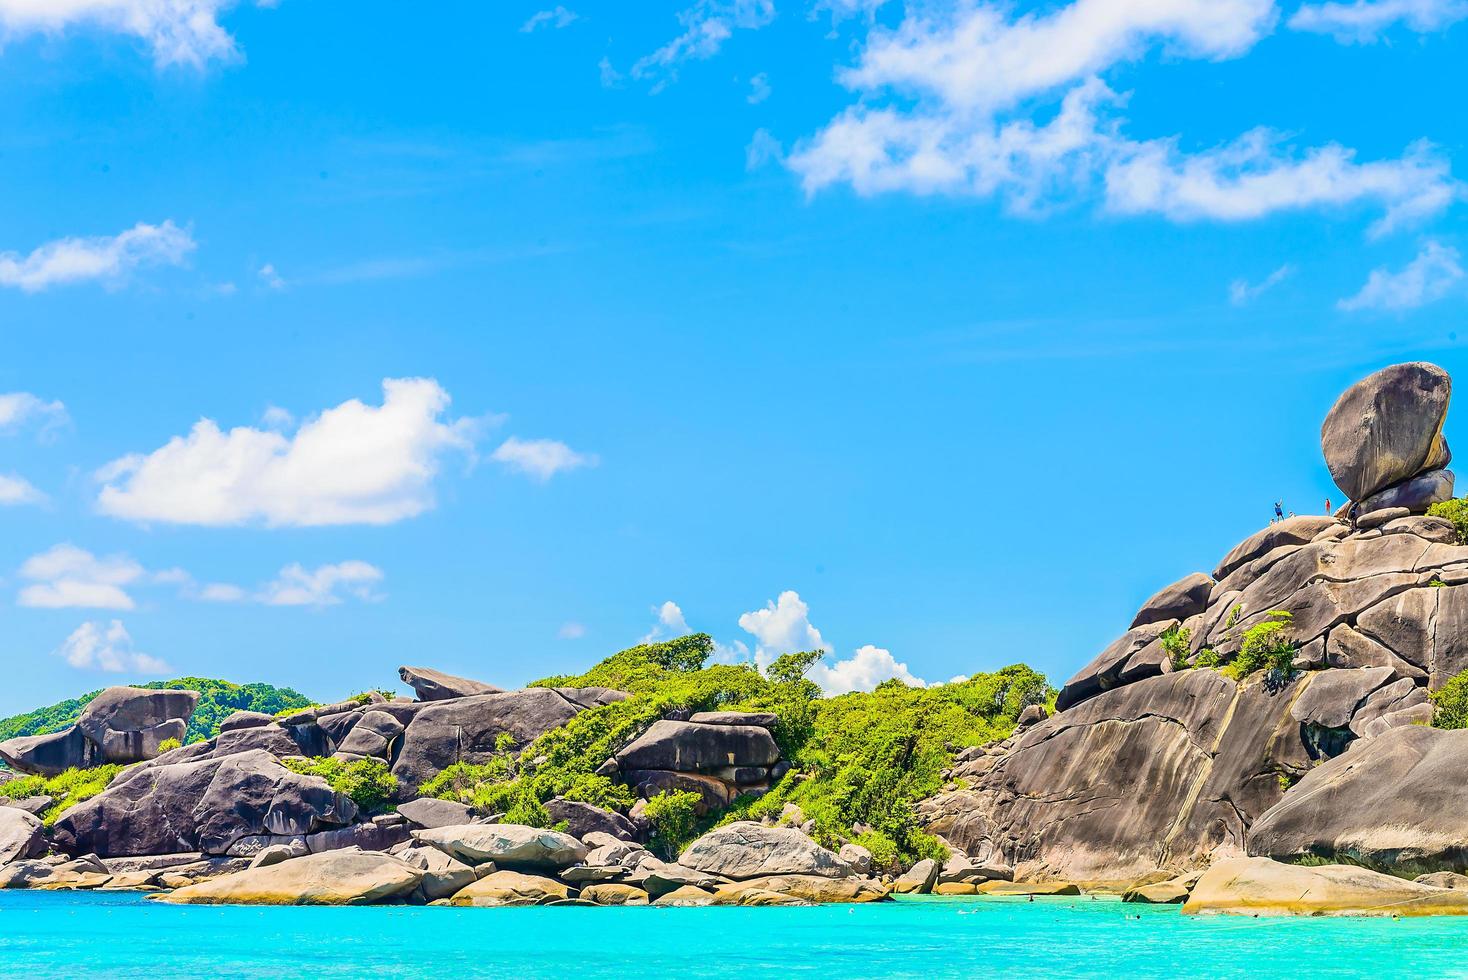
point(1449, 703)
point(66, 789)
point(1456, 511)
point(367, 782)
point(168, 745)
point(1266, 646)
point(1207, 657)
point(1175, 641)
point(673, 816)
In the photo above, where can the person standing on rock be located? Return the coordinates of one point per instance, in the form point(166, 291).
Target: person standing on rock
point(1279, 510)
point(1327, 506)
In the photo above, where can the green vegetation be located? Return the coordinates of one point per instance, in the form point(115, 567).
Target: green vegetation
point(168, 745)
point(66, 789)
point(217, 701)
point(1233, 617)
point(1266, 646)
point(1449, 703)
point(367, 782)
point(673, 816)
point(1207, 657)
point(1456, 511)
point(1174, 642)
point(858, 758)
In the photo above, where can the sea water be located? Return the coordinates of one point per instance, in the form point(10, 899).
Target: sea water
point(59, 934)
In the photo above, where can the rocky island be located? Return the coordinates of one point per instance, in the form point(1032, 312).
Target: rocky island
point(1282, 734)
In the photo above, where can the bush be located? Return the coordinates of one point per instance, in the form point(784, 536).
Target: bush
point(1449, 703)
point(66, 789)
point(1175, 641)
point(1456, 511)
point(168, 745)
point(1266, 646)
point(1207, 657)
point(367, 782)
point(673, 816)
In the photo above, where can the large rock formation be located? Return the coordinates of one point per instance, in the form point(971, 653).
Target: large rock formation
point(345, 877)
point(1159, 759)
point(1257, 886)
point(204, 806)
point(121, 725)
point(719, 757)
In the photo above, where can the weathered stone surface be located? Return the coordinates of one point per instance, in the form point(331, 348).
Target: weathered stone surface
point(815, 889)
point(1183, 598)
point(1259, 886)
point(745, 849)
point(1136, 654)
point(714, 793)
point(1032, 714)
point(1349, 649)
point(1427, 627)
point(267, 738)
point(965, 869)
point(661, 877)
point(245, 719)
point(465, 730)
point(1387, 428)
point(276, 853)
point(918, 879)
point(1172, 892)
point(583, 818)
point(858, 857)
point(21, 835)
point(1398, 696)
point(506, 844)
point(1396, 803)
point(1443, 879)
point(126, 724)
point(435, 685)
point(759, 719)
point(511, 888)
point(615, 894)
point(1370, 519)
point(1288, 533)
point(48, 754)
point(35, 805)
point(685, 746)
point(755, 897)
point(431, 814)
point(200, 806)
point(1168, 771)
point(344, 877)
point(1029, 888)
point(685, 895)
point(591, 697)
point(1331, 697)
point(442, 875)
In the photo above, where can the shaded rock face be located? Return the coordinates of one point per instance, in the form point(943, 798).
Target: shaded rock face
point(1387, 428)
point(583, 818)
point(201, 806)
point(21, 835)
point(1396, 803)
point(435, 685)
point(121, 725)
point(465, 729)
point(1177, 602)
point(719, 759)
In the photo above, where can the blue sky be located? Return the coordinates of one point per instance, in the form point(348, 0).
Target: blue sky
point(938, 334)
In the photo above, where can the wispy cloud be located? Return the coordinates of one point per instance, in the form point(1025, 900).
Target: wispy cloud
point(180, 32)
point(1365, 21)
point(67, 577)
point(15, 490)
point(1429, 277)
point(759, 89)
point(1241, 292)
point(555, 18)
point(571, 631)
point(108, 647)
point(706, 26)
point(540, 458)
point(670, 622)
point(110, 260)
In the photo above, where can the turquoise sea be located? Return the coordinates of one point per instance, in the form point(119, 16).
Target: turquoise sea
point(55, 934)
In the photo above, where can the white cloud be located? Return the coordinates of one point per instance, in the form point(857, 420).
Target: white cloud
point(180, 32)
point(324, 585)
point(1365, 21)
point(20, 407)
point(759, 89)
point(670, 623)
point(70, 577)
point(763, 148)
point(222, 592)
point(977, 57)
point(570, 631)
point(782, 627)
point(16, 490)
point(352, 464)
point(540, 458)
point(1241, 292)
point(862, 671)
point(95, 646)
point(556, 18)
point(1428, 277)
point(109, 260)
point(270, 277)
point(276, 417)
point(706, 26)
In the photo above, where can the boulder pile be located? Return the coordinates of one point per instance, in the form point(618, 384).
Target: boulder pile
point(716, 754)
point(121, 725)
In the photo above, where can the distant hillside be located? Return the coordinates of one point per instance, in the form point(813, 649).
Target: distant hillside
point(217, 701)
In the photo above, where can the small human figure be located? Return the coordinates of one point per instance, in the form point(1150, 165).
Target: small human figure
point(1327, 506)
point(1279, 510)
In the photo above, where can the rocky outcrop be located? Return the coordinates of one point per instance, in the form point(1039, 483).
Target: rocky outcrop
point(435, 685)
point(20, 835)
point(718, 759)
point(506, 845)
point(1387, 428)
point(583, 818)
point(1258, 886)
point(204, 806)
point(744, 849)
point(121, 725)
point(511, 888)
point(343, 877)
point(1397, 803)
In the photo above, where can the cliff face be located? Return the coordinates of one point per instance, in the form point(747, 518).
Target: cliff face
point(1169, 750)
